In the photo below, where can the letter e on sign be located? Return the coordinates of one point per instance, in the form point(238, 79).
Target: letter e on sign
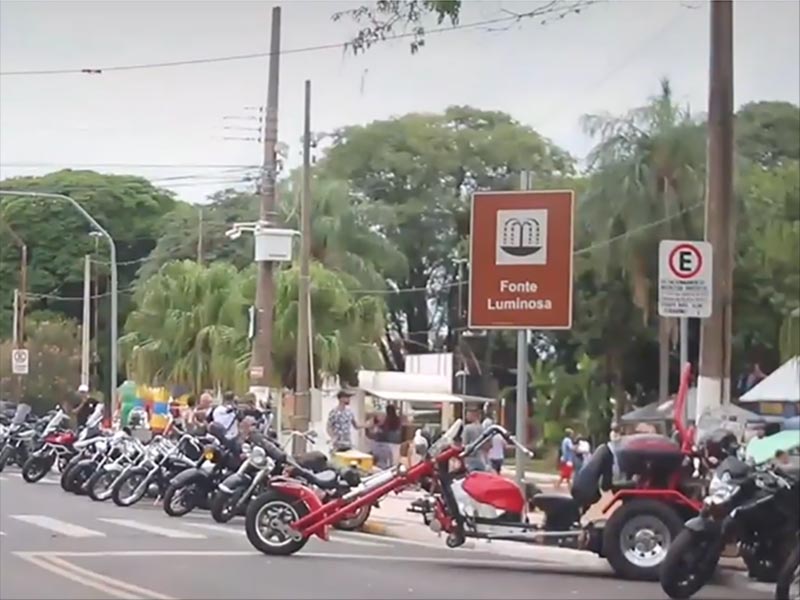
point(684, 279)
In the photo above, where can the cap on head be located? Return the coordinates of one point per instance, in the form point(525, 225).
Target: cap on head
point(83, 388)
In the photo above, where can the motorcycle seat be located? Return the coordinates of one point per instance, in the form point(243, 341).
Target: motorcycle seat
point(548, 502)
point(325, 480)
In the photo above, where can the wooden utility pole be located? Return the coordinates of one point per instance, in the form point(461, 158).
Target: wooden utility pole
point(715, 345)
point(87, 319)
point(302, 388)
point(200, 236)
point(261, 360)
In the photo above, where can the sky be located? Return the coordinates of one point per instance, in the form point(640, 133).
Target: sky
point(171, 124)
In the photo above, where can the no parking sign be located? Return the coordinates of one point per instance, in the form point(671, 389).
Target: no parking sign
point(684, 279)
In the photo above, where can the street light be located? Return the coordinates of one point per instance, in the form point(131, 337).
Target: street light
point(113, 256)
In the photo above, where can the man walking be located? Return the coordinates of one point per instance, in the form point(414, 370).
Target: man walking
point(341, 422)
point(472, 431)
point(567, 458)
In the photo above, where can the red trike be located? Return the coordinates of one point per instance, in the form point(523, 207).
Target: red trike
point(656, 486)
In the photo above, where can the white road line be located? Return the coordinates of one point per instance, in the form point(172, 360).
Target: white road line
point(60, 527)
point(219, 528)
point(3, 478)
point(155, 529)
point(2, 533)
point(50, 481)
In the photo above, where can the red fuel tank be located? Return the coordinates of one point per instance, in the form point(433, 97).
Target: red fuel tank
point(495, 490)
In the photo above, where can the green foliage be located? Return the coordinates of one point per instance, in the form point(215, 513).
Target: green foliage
point(54, 361)
point(768, 133)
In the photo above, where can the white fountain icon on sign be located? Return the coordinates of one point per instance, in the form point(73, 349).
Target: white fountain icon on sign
point(521, 237)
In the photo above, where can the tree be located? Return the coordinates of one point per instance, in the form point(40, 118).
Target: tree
point(647, 169)
point(382, 20)
point(768, 133)
point(54, 359)
point(416, 174)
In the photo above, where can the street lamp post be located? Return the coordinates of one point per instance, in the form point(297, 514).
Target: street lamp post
point(113, 257)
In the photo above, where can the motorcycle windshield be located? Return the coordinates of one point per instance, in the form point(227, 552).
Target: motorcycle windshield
point(21, 413)
point(54, 422)
point(96, 417)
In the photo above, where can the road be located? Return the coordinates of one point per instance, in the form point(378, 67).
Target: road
point(55, 545)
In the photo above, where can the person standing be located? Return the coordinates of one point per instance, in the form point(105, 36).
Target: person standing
point(341, 422)
point(226, 415)
point(497, 453)
point(472, 431)
point(85, 407)
point(566, 458)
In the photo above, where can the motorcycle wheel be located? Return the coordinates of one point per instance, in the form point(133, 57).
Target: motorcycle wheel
point(788, 587)
point(657, 522)
point(264, 512)
point(690, 563)
point(128, 489)
point(78, 477)
point(101, 485)
point(66, 474)
point(760, 568)
point(180, 500)
point(223, 505)
point(356, 521)
point(36, 467)
point(5, 455)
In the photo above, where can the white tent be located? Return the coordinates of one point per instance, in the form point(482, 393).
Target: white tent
point(782, 385)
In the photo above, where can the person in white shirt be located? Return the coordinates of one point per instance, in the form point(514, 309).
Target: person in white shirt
point(497, 453)
point(226, 415)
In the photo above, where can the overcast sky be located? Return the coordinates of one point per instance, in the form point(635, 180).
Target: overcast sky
point(608, 58)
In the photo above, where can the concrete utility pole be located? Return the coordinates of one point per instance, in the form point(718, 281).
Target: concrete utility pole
point(302, 391)
point(261, 360)
point(19, 314)
point(715, 345)
point(86, 325)
point(525, 183)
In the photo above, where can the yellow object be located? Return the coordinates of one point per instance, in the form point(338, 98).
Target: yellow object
point(353, 458)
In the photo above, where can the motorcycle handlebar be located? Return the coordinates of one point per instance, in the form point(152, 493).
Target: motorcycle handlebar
point(488, 434)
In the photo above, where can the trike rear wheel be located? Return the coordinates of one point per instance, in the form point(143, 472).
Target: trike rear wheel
point(267, 521)
point(637, 537)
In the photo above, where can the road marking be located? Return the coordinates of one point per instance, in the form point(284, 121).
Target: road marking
point(107, 585)
point(50, 481)
point(3, 478)
point(2, 532)
point(60, 527)
point(219, 528)
point(155, 529)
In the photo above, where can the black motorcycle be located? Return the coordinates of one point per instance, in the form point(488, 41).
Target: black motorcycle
point(755, 507)
point(195, 486)
point(788, 587)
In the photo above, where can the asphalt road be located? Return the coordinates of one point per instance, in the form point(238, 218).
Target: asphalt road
point(55, 545)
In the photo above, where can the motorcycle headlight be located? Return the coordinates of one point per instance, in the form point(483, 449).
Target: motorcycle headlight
point(720, 490)
point(258, 457)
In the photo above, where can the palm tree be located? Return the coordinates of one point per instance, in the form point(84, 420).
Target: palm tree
point(188, 327)
point(647, 168)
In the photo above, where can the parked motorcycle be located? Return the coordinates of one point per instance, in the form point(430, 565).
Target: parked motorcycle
point(104, 450)
point(163, 460)
point(757, 507)
point(788, 586)
point(58, 447)
point(101, 483)
point(19, 438)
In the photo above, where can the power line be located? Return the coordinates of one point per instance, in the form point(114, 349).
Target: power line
point(255, 55)
point(33, 165)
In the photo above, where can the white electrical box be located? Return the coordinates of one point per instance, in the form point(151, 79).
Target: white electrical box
point(274, 245)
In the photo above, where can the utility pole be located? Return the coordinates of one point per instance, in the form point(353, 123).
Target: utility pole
point(19, 330)
point(715, 345)
point(302, 391)
point(200, 236)
point(96, 313)
point(261, 360)
point(526, 183)
point(87, 317)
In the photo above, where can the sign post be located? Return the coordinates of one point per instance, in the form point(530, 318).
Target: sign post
point(684, 285)
point(19, 361)
point(521, 271)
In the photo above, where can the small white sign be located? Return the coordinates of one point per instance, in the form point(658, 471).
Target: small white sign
point(19, 362)
point(521, 237)
point(684, 279)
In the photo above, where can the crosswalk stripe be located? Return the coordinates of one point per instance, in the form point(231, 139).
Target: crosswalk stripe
point(155, 529)
point(61, 527)
point(2, 532)
point(219, 528)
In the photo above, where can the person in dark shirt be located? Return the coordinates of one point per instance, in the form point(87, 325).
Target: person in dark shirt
point(85, 406)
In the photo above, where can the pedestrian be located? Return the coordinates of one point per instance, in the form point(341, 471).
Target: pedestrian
point(566, 458)
point(472, 431)
point(226, 415)
point(341, 422)
point(497, 453)
point(388, 437)
point(202, 414)
point(583, 452)
point(85, 407)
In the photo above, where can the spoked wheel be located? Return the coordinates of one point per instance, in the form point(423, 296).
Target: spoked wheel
point(689, 565)
point(223, 505)
point(129, 489)
point(267, 523)
point(101, 485)
point(36, 467)
point(179, 501)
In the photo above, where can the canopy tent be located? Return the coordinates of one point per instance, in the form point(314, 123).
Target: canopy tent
point(425, 397)
point(664, 411)
point(782, 385)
